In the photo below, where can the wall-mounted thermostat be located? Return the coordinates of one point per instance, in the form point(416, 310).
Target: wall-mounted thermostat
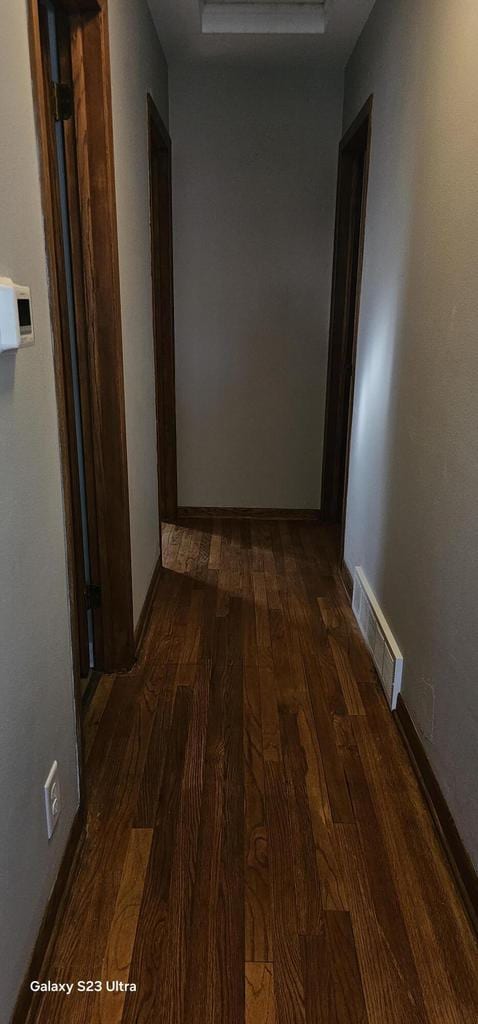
point(16, 321)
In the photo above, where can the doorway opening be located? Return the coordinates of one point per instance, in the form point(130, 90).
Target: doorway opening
point(72, 91)
point(160, 176)
point(354, 156)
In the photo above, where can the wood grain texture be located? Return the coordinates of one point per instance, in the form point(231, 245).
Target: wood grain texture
point(97, 195)
point(160, 182)
point(108, 1009)
point(94, 713)
point(260, 999)
point(291, 879)
point(333, 986)
point(258, 937)
point(84, 60)
point(141, 627)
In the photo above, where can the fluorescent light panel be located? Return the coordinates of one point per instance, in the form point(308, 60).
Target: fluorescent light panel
point(287, 17)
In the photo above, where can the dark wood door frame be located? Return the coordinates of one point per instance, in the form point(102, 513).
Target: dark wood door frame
point(353, 167)
point(163, 309)
point(84, 57)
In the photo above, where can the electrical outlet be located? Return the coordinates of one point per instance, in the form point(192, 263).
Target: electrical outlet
point(52, 799)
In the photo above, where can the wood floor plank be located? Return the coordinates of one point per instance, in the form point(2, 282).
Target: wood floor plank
point(258, 935)
point(332, 884)
point(288, 967)
point(339, 648)
point(257, 556)
point(271, 745)
point(204, 551)
point(190, 649)
point(172, 970)
point(308, 626)
point(305, 868)
point(387, 993)
point(249, 628)
point(289, 672)
point(95, 711)
point(333, 986)
point(260, 999)
point(261, 608)
point(286, 531)
point(334, 771)
point(215, 547)
point(231, 925)
point(153, 770)
point(348, 683)
point(151, 936)
point(108, 1007)
point(202, 991)
point(201, 985)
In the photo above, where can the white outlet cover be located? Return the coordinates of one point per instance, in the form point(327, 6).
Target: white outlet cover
point(52, 799)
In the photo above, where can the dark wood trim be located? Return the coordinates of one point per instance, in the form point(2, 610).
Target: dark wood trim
point(94, 680)
point(94, 131)
point(147, 609)
point(352, 184)
point(51, 919)
point(460, 862)
point(205, 512)
point(84, 372)
point(346, 578)
point(160, 179)
point(363, 117)
point(79, 6)
point(90, 68)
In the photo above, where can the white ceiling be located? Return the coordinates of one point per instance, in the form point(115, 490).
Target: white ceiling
point(179, 26)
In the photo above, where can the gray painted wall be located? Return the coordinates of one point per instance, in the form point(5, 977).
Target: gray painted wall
point(138, 66)
point(37, 721)
point(255, 154)
point(411, 519)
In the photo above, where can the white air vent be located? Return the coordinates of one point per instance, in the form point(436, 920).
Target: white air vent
point(376, 632)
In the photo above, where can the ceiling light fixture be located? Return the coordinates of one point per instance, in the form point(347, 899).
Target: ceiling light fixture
point(286, 17)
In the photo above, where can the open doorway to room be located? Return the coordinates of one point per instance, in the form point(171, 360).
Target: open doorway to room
point(354, 152)
point(70, 64)
point(163, 310)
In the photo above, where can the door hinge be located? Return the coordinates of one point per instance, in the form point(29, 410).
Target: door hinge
point(62, 101)
point(93, 596)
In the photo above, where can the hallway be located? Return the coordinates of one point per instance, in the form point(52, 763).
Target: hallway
point(257, 846)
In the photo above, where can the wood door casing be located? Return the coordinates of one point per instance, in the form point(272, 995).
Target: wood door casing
point(354, 155)
point(65, 356)
point(163, 310)
point(69, 131)
point(89, 150)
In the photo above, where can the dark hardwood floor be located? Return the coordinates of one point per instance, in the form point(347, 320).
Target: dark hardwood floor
point(257, 847)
